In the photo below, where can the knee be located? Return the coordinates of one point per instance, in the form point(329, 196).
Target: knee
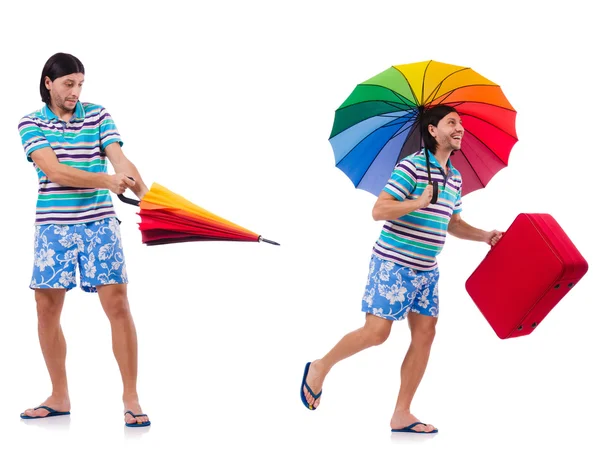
point(49, 308)
point(377, 336)
point(117, 308)
point(423, 336)
point(116, 305)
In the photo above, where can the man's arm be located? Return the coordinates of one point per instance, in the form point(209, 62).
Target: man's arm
point(122, 165)
point(387, 207)
point(461, 229)
point(65, 175)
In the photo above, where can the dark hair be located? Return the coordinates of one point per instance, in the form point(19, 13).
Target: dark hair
point(433, 116)
point(58, 65)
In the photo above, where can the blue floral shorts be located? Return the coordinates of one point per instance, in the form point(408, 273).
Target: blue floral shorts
point(392, 290)
point(93, 247)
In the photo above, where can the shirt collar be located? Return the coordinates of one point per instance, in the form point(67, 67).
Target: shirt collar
point(434, 162)
point(79, 113)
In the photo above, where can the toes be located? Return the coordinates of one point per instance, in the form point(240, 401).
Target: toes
point(427, 428)
point(421, 428)
point(137, 420)
point(309, 398)
point(38, 413)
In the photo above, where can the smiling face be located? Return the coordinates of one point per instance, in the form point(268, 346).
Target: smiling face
point(64, 92)
point(448, 133)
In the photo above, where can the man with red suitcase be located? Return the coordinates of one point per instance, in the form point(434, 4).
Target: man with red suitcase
point(403, 273)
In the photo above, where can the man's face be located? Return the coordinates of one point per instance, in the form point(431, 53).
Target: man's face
point(449, 132)
point(65, 91)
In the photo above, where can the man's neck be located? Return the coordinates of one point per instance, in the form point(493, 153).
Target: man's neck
point(61, 113)
point(442, 157)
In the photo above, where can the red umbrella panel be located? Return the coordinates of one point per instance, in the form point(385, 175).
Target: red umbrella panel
point(166, 217)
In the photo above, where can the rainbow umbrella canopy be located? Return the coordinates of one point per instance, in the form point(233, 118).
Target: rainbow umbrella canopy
point(166, 217)
point(378, 124)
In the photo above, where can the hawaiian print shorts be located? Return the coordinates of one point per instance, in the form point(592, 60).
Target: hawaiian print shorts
point(93, 247)
point(392, 290)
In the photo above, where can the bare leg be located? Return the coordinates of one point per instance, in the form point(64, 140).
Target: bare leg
point(422, 330)
point(124, 342)
point(375, 331)
point(54, 349)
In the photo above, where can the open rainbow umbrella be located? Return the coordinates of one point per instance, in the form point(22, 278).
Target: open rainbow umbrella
point(378, 124)
point(167, 217)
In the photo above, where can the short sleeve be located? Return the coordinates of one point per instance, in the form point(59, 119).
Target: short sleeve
point(403, 180)
point(32, 137)
point(108, 130)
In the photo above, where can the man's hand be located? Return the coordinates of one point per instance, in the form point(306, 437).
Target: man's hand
point(425, 198)
point(120, 182)
point(493, 237)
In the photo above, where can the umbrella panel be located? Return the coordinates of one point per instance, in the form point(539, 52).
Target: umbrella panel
point(178, 224)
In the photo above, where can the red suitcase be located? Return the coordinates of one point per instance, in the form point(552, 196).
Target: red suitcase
point(524, 276)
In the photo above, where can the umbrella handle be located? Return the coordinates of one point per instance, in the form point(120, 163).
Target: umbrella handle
point(434, 198)
point(435, 192)
point(128, 200)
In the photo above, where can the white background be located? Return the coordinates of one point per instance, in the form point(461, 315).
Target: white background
point(230, 104)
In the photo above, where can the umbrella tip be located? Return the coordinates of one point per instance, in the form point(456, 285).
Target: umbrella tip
point(262, 239)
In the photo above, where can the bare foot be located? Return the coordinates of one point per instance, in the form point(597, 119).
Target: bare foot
point(58, 403)
point(404, 419)
point(314, 380)
point(132, 404)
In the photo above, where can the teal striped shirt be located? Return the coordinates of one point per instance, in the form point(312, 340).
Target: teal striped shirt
point(80, 143)
point(415, 239)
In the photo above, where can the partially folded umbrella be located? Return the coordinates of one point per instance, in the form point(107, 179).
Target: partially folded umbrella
point(167, 217)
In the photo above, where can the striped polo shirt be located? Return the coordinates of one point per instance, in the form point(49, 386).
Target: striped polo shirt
point(414, 240)
point(79, 143)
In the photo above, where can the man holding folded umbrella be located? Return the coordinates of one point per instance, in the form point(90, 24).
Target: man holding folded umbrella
point(403, 273)
point(68, 143)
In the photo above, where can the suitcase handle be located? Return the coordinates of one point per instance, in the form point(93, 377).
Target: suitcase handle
point(501, 237)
